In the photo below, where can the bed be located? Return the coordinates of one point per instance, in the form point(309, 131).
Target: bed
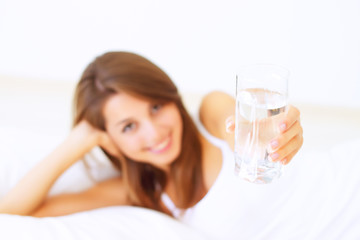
point(36, 115)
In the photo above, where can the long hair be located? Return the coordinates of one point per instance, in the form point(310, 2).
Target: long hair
point(113, 72)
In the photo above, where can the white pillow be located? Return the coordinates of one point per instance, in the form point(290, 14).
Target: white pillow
point(21, 149)
point(105, 223)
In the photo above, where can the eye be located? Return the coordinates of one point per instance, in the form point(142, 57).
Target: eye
point(156, 107)
point(128, 127)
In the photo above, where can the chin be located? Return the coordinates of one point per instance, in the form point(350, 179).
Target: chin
point(165, 161)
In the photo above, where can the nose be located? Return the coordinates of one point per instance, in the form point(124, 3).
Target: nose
point(150, 132)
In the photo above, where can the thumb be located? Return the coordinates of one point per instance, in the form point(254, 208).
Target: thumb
point(230, 124)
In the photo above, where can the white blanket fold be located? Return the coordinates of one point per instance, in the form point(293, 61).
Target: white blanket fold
point(318, 198)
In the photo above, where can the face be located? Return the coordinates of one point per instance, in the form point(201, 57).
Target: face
point(144, 131)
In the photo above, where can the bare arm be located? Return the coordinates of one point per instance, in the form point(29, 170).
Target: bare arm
point(108, 193)
point(32, 190)
point(217, 107)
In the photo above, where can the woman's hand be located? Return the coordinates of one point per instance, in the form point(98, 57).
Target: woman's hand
point(35, 185)
point(95, 137)
point(288, 143)
point(290, 140)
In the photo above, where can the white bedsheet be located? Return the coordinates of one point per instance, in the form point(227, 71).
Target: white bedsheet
point(106, 223)
point(320, 200)
point(318, 197)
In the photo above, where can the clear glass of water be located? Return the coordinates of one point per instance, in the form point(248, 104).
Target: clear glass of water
point(261, 105)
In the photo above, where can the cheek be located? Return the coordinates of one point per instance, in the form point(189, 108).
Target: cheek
point(180, 128)
point(176, 124)
point(128, 145)
point(173, 118)
point(178, 121)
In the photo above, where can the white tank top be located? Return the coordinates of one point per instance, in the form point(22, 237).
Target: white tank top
point(316, 198)
point(199, 212)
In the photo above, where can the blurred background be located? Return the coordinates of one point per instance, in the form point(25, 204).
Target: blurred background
point(199, 43)
point(45, 45)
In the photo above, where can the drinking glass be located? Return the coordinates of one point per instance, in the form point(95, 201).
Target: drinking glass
point(261, 105)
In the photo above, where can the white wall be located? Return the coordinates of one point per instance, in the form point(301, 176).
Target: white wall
point(198, 43)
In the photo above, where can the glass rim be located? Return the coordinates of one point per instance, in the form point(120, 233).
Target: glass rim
point(263, 65)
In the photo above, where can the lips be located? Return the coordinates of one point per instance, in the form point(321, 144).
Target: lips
point(161, 146)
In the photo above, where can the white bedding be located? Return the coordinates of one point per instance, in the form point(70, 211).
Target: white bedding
point(320, 200)
point(322, 203)
point(106, 223)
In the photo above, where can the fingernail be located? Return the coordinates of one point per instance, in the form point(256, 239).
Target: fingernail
point(274, 156)
point(284, 161)
point(274, 144)
point(229, 122)
point(283, 126)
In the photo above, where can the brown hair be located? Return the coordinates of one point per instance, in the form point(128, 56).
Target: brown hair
point(113, 72)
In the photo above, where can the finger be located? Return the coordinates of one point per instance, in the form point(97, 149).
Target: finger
point(289, 157)
point(292, 116)
point(108, 144)
point(285, 153)
point(230, 124)
point(285, 137)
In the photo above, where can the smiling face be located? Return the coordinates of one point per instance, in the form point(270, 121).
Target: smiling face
point(144, 131)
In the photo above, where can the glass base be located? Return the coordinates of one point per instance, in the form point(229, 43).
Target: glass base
point(260, 176)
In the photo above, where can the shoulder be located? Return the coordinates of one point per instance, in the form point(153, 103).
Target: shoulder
point(216, 97)
point(215, 107)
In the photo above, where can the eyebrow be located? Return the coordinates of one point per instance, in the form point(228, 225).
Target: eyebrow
point(122, 121)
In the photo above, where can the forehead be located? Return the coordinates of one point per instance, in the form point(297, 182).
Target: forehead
point(123, 105)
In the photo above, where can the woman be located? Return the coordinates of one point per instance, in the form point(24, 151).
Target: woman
point(133, 111)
